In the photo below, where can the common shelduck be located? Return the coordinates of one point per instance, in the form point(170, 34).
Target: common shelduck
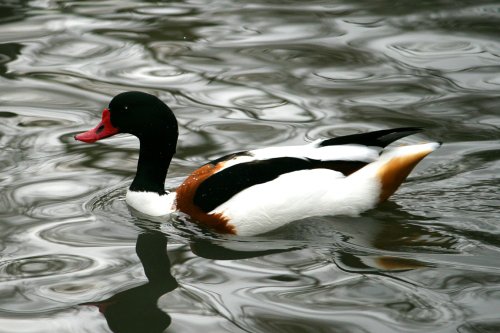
point(255, 191)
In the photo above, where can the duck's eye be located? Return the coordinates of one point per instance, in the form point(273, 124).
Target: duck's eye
point(125, 107)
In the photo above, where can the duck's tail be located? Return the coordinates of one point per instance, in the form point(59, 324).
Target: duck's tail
point(396, 164)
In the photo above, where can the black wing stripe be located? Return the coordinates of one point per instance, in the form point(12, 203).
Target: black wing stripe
point(377, 138)
point(224, 184)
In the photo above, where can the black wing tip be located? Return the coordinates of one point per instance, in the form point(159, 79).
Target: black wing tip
point(380, 138)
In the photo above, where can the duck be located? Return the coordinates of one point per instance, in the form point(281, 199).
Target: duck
point(255, 191)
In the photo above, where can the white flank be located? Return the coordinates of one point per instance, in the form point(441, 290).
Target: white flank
point(298, 195)
point(151, 203)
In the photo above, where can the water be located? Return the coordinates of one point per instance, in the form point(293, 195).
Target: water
point(240, 75)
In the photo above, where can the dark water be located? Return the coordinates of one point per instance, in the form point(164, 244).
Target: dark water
point(244, 75)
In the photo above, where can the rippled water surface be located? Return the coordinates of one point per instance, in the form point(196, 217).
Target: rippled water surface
point(246, 74)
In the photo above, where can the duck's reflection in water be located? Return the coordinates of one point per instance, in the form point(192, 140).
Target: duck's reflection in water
point(136, 310)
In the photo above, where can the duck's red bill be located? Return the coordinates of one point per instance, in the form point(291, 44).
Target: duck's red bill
point(103, 130)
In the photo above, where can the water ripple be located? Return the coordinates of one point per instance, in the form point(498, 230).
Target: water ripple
point(45, 265)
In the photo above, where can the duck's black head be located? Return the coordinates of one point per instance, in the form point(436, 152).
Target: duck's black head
point(148, 118)
point(137, 113)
